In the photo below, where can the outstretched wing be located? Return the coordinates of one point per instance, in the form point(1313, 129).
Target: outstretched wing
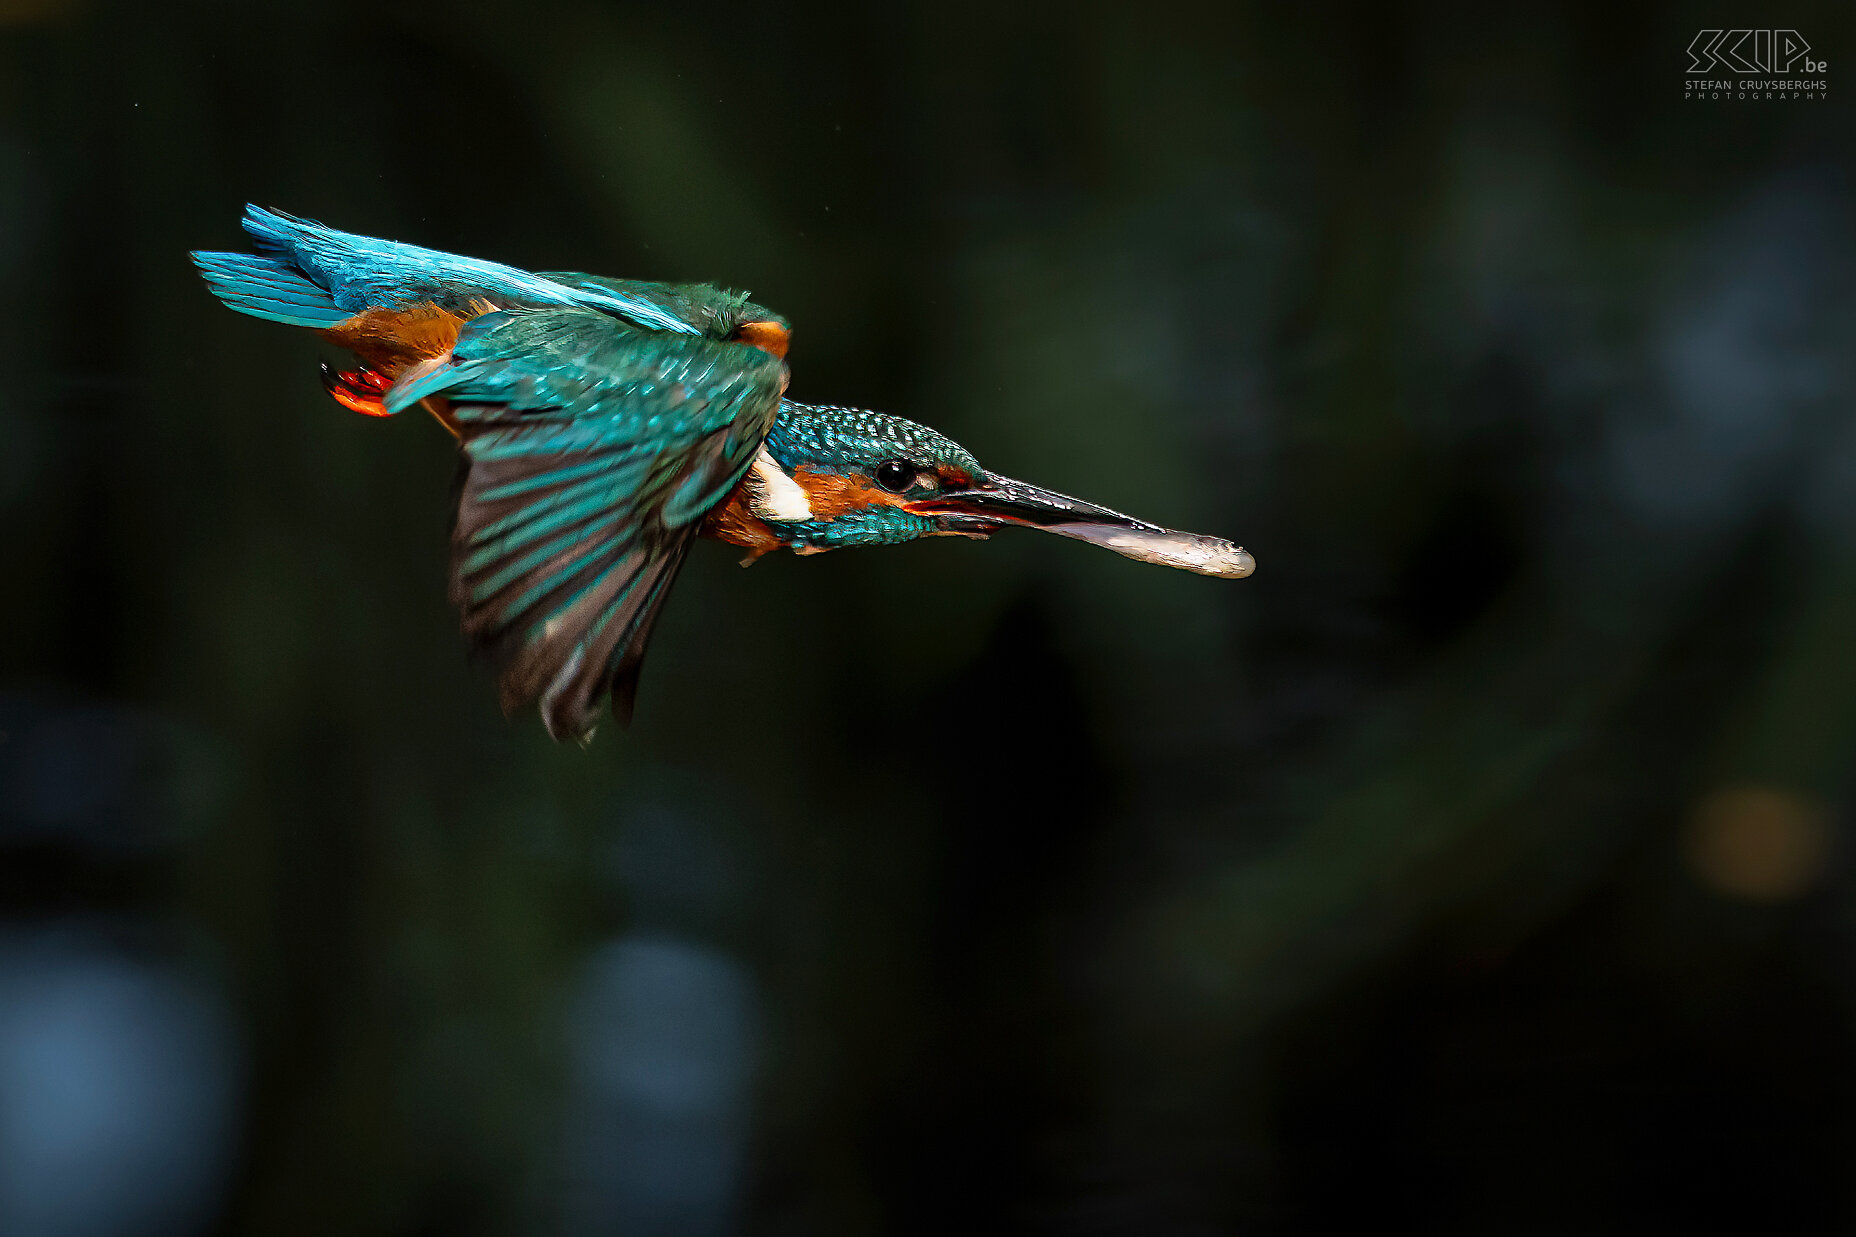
point(308, 274)
point(593, 449)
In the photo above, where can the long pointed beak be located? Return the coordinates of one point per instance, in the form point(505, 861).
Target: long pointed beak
point(1000, 501)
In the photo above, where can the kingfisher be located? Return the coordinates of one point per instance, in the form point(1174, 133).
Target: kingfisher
point(604, 425)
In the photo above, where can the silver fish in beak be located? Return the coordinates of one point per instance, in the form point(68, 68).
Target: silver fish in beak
point(998, 502)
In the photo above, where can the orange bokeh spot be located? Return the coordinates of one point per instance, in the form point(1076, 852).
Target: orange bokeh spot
point(1758, 843)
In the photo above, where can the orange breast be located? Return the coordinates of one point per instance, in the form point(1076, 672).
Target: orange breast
point(389, 340)
point(731, 521)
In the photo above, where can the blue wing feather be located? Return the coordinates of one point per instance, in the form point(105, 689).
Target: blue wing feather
point(594, 449)
point(363, 272)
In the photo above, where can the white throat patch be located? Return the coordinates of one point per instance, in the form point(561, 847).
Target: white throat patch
point(772, 495)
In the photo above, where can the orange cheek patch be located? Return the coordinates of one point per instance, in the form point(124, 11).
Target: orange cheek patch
point(831, 495)
point(769, 337)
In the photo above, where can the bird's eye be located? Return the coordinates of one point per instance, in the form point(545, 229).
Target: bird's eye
point(896, 475)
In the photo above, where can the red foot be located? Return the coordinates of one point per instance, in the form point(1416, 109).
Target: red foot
point(358, 389)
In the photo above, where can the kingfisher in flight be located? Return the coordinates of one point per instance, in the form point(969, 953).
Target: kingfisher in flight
point(604, 425)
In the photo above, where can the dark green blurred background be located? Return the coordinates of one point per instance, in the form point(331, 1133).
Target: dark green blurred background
point(1473, 869)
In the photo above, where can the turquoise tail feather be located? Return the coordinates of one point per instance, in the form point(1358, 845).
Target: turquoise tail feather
point(274, 232)
point(267, 288)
